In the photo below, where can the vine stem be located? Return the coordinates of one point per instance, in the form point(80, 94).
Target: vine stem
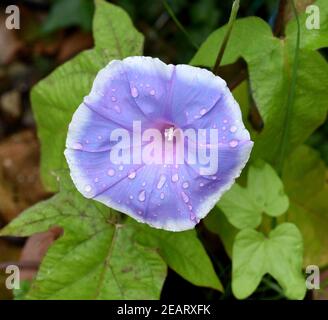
point(233, 15)
point(290, 99)
point(179, 25)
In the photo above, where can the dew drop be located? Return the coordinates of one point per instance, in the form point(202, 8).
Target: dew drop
point(233, 129)
point(117, 109)
point(77, 146)
point(113, 99)
point(87, 188)
point(162, 195)
point(161, 182)
point(233, 143)
point(225, 121)
point(132, 175)
point(140, 212)
point(184, 197)
point(185, 185)
point(96, 180)
point(134, 92)
point(120, 168)
point(201, 184)
point(142, 196)
point(131, 197)
point(175, 177)
point(99, 137)
point(152, 92)
point(111, 172)
point(202, 111)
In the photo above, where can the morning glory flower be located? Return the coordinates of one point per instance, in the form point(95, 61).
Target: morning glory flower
point(160, 143)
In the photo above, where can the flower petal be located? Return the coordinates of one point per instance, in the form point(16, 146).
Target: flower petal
point(169, 196)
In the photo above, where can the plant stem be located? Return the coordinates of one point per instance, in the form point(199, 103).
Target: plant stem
point(180, 26)
point(233, 15)
point(278, 29)
point(290, 99)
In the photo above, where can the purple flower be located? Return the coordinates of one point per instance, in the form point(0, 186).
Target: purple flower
point(158, 142)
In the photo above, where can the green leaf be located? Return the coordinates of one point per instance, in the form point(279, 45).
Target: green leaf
point(73, 266)
point(269, 62)
point(114, 32)
point(217, 223)
point(55, 98)
point(304, 176)
point(19, 294)
point(311, 38)
point(267, 189)
point(65, 13)
point(280, 255)
point(96, 258)
point(184, 253)
point(243, 207)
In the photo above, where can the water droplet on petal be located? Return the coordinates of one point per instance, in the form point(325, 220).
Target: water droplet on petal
point(131, 197)
point(99, 137)
point(162, 195)
point(140, 212)
point(117, 109)
point(184, 197)
point(114, 99)
point(96, 180)
point(132, 175)
point(185, 185)
point(77, 146)
point(175, 177)
point(201, 184)
point(233, 143)
point(120, 168)
point(152, 92)
point(111, 172)
point(225, 121)
point(161, 182)
point(202, 111)
point(142, 196)
point(134, 92)
point(87, 188)
point(233, 129)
